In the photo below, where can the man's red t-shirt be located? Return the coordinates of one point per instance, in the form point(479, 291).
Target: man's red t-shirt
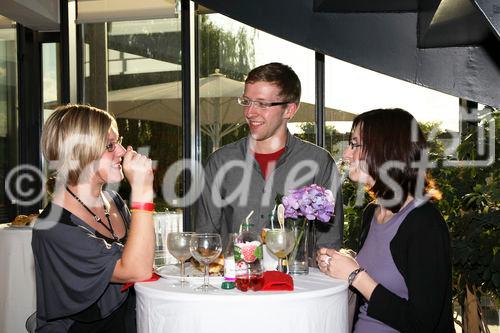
point(265, 159)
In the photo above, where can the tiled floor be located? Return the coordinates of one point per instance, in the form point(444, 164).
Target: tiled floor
point(493, 328)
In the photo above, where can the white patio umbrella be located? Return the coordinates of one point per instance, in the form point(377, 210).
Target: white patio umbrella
point(218, 105)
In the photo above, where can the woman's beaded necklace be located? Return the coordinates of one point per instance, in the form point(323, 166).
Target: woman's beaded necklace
point(97, 218)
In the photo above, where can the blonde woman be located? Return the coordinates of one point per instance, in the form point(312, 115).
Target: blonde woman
point(86, 243)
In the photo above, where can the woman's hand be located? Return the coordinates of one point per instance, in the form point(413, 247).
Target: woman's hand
point(136, 262)
point(336, 264)
point(139, 172)
point(340, 264)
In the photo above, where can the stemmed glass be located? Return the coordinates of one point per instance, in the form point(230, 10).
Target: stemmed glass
point(280, 242)
point(343, 167)
point(178, 245)
point(205, 248)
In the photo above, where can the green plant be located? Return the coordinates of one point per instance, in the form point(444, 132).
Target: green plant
point(353, 211)
point(471, 207)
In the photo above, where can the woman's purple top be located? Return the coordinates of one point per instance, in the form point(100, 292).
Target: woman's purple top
point(375, 257)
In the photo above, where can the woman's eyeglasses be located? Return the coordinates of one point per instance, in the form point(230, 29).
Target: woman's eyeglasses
point(110, 147)
point(354, 145)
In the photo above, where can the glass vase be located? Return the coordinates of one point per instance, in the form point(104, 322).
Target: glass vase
point(299, 257)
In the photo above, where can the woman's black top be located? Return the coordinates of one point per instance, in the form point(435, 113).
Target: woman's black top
point(421, 252)
point(74, 265)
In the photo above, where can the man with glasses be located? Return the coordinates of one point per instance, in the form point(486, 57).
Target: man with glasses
point(246, 175)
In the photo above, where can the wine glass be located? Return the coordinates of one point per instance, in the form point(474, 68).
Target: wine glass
point(178, 246)
point(343, 166)
point(205, 248)
point(280, 242)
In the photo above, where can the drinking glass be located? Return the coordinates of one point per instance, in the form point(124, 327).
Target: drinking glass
point(178, 246)
point(205, 248)
point(343, 167)
point(160, 258)
point(280, 242)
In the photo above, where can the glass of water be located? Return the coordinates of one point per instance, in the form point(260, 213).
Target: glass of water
point(178, 246)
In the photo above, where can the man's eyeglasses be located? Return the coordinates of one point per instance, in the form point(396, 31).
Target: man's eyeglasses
point(353, 145)
point(258, 104)
point(110, 147)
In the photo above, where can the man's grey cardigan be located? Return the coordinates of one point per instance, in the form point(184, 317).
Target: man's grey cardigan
point(234, 186)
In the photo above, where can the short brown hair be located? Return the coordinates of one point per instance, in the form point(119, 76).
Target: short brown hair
point(393, 135)
point(280, 75)
point(75, 136)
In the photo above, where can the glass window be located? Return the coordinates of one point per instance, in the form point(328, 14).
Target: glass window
point(50, 71)
point(228, 51)
point(350, 90)
point(51, 87)
point(8, 114)
point(133, 69)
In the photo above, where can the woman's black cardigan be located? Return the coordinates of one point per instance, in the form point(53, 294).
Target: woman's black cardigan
point(421, 251)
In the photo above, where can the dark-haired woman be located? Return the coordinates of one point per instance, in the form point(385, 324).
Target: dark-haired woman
point(402, 273)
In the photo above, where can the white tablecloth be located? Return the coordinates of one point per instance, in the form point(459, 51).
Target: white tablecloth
point(318, 304)
point(17, 278)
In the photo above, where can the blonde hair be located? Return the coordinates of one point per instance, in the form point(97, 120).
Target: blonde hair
point(73, 137)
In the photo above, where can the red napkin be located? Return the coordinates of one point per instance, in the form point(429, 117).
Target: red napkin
point(127, 285)
point(274, 280)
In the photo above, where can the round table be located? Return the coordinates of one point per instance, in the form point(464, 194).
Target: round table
point(318, 304)
point(17, 278)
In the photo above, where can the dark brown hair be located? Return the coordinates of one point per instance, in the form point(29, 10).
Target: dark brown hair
point(280, 75)
point(393, 135)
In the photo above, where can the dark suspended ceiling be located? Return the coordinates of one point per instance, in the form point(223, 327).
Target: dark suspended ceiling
point(452, 46)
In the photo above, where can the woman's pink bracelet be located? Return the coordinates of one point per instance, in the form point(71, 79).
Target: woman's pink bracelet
point(144, 206)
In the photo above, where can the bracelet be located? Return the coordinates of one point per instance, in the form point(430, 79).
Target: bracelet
point(141, 211)
point(149, 206)
point(353, 275)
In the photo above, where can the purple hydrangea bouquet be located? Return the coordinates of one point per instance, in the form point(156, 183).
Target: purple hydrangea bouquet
point(313, 202)
point(308, 203)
